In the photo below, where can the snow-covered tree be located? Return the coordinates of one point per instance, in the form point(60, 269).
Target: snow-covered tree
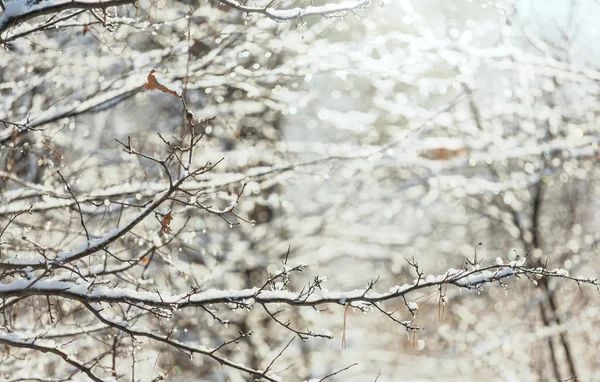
point(266, 190)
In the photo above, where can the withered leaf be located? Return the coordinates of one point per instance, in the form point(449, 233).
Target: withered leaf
point(152, 83)
point(165, 223)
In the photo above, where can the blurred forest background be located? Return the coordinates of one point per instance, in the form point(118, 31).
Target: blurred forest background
point(427, 131)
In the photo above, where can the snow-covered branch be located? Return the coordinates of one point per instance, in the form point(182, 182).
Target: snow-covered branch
point(92, 292)
point(95, 102)
point(187, 348)
point(19, 11)
point(327, 10)
point(94, 245)
point(46, 346)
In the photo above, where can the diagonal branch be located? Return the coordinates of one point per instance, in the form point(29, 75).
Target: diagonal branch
point(95, 245)
point(327, 10)
point(178, 345)
point(38, 345)
point(18, 11)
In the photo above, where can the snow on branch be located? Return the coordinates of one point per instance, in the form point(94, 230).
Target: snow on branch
point(187, 348)
point(209, 183)
point(328, 10)
point(470, 279)
point(94, 103)
point(46, 346)
point(93, 245)
point(19, 11)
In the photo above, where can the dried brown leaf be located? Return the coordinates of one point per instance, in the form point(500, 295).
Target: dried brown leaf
point(166, 222)
point(152, 83)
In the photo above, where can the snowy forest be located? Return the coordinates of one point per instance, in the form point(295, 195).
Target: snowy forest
point(286, 190)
